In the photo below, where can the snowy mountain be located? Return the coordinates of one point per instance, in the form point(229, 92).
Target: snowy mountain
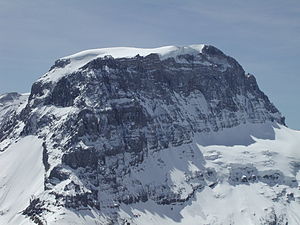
point(171, 135)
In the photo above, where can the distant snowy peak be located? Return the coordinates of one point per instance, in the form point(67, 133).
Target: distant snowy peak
point(8, 97)
point(9, 100)
point(11, 104)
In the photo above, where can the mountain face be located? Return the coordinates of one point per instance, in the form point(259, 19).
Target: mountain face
point(173, 135)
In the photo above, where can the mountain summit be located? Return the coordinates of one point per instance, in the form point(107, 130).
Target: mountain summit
point(170, 135)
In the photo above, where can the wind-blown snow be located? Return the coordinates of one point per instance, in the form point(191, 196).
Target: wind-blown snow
point(126, 52)
point(80, 59)
point(21, 177)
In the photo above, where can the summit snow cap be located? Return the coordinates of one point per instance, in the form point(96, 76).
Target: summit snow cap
point(72, 63)
point(128, 52)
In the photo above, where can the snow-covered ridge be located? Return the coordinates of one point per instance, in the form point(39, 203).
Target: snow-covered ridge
point(127, 52)
point(71, 63)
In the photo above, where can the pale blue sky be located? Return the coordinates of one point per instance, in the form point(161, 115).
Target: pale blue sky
point(264, 36)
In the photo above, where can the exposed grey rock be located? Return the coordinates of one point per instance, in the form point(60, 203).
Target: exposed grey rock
point(241, 173)
point(60, 63)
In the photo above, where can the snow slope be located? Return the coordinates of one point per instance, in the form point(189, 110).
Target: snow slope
point(241, 203)
point(220, 199)
point(21, 178)
point(219, 202)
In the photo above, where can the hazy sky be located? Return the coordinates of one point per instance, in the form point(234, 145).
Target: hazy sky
point(264, 36)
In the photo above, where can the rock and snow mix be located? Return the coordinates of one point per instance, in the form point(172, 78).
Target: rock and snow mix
point(173, 135)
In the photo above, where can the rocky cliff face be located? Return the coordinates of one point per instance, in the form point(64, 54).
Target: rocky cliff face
point(104, 119)
point(141, 103)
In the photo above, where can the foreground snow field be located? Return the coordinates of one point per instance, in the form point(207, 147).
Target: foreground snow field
point(252, 182)
point(245, 202)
